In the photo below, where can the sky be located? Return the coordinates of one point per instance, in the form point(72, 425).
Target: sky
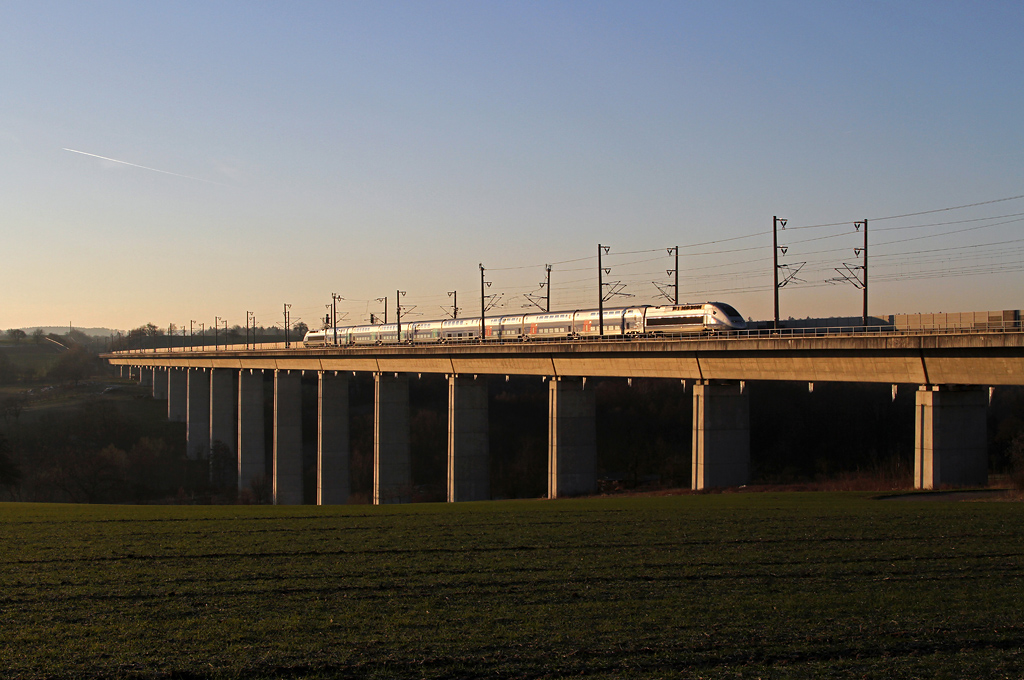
point(180, 163)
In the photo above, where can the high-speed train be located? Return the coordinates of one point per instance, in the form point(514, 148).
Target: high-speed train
point(646, 320)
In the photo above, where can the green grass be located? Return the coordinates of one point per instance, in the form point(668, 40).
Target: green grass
point(743, 585)
point(66, 397)
point(32, 358)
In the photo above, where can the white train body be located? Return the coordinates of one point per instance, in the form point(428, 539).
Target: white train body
point(707, 318)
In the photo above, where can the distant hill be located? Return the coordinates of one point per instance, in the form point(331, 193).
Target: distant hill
point(62, 330)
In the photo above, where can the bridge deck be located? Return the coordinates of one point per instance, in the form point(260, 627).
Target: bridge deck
point(993, 358)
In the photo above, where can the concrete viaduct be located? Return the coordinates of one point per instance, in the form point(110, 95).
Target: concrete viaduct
point(219, 394)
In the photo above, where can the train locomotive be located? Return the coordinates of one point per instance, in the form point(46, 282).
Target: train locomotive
point(638, 321)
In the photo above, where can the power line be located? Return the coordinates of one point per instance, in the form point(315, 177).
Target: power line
point(942, 224)
point(949, 233)
point(747, 275)
point(955, 207)
point(914, 214)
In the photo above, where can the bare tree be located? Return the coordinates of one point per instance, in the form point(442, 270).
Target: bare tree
point(8, 371)
point(12, 406)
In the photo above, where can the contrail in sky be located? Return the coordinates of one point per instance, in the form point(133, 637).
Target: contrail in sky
point(114, 160)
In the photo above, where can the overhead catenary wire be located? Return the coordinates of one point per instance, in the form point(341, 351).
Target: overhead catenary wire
point(911, 214)
point(711, 268)
point(789, 228)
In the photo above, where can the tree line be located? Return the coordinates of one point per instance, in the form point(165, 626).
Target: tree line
point(151, 336)
point(76, 360)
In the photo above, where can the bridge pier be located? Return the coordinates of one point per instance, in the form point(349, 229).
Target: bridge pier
point(950, 446)
point(721, 435)
point(572, 438)
point(252, 451)
point(469, 471)
point(177, 395)
point(392, 465)
point(160, 382)
point(198, 414)
point(332, 448)
point(287, 437)
point(223, 420)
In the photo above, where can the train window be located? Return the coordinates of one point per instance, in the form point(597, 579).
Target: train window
point(675, 320)
point(729, 310)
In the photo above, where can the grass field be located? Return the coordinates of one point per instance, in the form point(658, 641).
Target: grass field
point(768, 585)
point(31, 358)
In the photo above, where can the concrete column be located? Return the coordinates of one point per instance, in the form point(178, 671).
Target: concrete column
point(951, 441)
point(177, 395)
point(252, 453)
point(332, 447)
point(198, 422)
point(160, 382)
point(223, 421)
point(572, 438)
point(721, 436)
point(121, 371)
point(392, 466)
point(287, 437)
point(469, 469)
point(146, 376)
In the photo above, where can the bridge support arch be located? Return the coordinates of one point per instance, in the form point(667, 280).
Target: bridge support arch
point(160, 382)
point(469, 469)
point(950, 441)
point(572, 438)
point(332, 449)
point(223, 423)
point(721, 435)
point(252, 450)
point(177, 395)
point(198, 413)
point(392, 464)
point(287, 437)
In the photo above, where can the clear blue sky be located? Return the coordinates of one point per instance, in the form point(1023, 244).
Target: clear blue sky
point(293, 150)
